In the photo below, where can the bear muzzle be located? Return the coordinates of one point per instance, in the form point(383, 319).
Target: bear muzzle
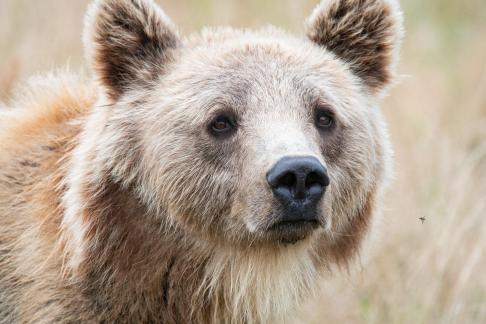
point(298, 184)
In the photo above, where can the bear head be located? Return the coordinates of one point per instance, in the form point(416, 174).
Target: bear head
point(247, 138)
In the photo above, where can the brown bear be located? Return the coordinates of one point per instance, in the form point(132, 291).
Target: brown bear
point(208, 179)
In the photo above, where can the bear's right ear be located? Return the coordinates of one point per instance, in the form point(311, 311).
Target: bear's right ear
point(365, 34)
point(128, 43)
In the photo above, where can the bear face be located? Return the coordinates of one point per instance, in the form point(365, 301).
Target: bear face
point(270, 98)
point(246, 138)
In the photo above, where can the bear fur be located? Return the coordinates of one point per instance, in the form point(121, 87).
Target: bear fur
point(119, 205)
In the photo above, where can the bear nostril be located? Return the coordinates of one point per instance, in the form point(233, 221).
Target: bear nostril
point(288, 180)
point(312, 179)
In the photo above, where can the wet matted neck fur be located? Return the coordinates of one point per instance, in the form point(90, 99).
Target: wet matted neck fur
point(143, 194)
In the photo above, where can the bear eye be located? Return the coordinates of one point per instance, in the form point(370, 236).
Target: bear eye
point(324, 119)
point(222, 125)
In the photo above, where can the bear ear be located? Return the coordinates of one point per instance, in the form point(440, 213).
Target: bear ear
point(366, 34)
point(127, 43)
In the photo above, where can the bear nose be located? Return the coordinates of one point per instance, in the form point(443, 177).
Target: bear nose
point(298, 181)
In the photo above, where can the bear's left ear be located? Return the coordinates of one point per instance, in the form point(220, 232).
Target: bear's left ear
point(128, 43)
point(366, 34)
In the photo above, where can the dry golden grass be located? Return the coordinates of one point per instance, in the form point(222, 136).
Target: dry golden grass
point(433, 272)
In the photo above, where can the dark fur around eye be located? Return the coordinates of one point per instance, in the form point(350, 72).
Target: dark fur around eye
point(223, 125)
point(324, 119)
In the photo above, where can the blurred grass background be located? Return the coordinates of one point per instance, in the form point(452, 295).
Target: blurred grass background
point(433, 272)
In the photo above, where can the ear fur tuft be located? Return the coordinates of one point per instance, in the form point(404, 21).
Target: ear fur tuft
point(127, 42)
point(363, 33)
